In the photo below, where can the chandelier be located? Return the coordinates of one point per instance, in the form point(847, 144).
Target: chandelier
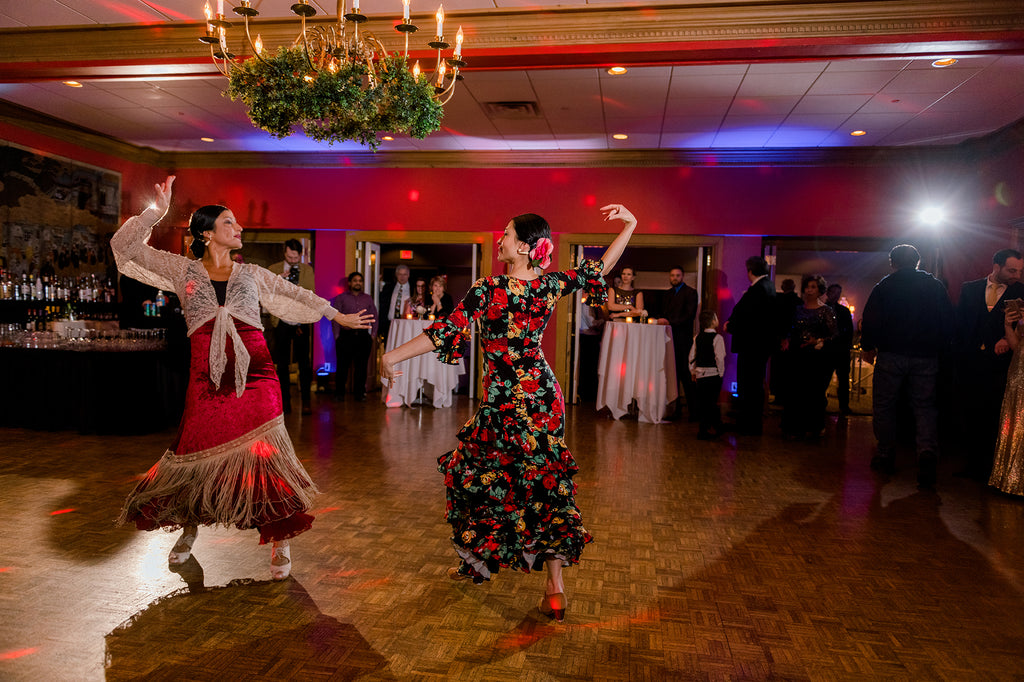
point(338, 81)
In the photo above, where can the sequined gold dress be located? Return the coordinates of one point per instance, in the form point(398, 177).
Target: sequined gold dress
point(1008, 464)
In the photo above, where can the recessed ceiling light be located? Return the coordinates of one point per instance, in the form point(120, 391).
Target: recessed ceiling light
point(620, 136)
point(617, 70)
point(858, 133)
point(72, 84)
point(387, 138)
point(206, 139)
point(948, 61)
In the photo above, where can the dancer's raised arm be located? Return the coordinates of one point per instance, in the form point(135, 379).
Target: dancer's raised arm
point(614, 251)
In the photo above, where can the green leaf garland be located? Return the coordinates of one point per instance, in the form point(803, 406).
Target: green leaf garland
point(337, 106)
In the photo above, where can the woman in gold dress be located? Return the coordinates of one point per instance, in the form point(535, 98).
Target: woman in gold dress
point(1008, 463)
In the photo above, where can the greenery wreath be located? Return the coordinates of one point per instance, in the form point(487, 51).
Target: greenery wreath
point(284, 91)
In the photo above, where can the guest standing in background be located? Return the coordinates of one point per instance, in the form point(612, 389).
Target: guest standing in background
point(294, 340)
point(908, 323)
point(392, 300)
point(1008, 465)
point(439, 304)
point(753, 325)
point(623, 300)
point(353, 346)
point(679, 310)
point(839, 356)
point(779, 372)
point(707, 367)
point(809, 347)
point(983, 358)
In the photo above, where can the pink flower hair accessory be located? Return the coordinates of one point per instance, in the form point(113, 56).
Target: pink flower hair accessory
point(540, 254)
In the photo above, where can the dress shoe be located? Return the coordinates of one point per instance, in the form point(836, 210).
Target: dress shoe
point(280, 562)
point(457, 575)
point(182, 549)
point(554, 606)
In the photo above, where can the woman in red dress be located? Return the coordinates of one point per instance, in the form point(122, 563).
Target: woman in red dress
point(232, 462)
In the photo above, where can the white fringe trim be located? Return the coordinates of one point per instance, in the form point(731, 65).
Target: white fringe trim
point(196, 481)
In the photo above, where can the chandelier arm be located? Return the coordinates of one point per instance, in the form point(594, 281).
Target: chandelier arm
point(446, 94)
point(252, 45)
point(305, 45)
point(225, 70)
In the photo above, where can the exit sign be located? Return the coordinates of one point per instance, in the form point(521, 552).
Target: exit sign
point(405, 254)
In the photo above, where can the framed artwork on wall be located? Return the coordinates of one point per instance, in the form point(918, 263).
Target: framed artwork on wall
point(56, 214)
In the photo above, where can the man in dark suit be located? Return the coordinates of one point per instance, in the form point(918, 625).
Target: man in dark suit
point(983, 357)
point(294, 340)
point(679, 309)
point(839, 353)
point(392, 300)
point(755, 334)
point(908, 325)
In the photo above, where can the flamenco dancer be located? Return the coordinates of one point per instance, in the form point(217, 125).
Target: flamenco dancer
point(509, 481)
point(232, 462)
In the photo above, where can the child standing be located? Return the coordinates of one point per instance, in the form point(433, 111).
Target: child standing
point(707, 367)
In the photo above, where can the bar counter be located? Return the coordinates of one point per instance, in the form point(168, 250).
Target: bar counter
point(92, 390)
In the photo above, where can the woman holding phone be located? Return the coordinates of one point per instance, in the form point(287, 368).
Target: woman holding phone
point(1008, 463)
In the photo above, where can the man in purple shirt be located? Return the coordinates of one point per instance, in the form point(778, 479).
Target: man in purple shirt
point(353, 345)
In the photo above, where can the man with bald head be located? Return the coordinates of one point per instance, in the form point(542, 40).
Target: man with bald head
point(392, 298)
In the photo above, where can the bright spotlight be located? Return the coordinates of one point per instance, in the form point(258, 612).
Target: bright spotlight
point(932, 215)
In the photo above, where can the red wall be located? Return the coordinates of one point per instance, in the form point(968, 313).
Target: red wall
point(869, 201)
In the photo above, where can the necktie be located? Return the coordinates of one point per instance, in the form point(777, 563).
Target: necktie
point(991, 295)
point(399, 291)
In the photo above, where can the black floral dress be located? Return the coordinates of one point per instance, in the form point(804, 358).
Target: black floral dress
point(509, 481)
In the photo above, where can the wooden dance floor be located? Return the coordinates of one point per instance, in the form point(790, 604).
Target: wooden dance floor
point(744, 559)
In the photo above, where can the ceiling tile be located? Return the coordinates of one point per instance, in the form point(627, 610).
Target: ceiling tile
point(851, 82)
point(830, 104)
point(777, 84)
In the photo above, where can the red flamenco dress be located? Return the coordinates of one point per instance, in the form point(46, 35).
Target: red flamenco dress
point(232, 462)
point(510, 493)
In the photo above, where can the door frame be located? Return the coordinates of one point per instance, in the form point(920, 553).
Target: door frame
point(567, 246)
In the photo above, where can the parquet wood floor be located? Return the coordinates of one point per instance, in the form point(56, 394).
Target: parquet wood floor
point(743, 559)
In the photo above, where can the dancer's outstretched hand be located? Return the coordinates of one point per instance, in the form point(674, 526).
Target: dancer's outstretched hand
point(163, 194)
point(387, 371)
point(619, 212)
point(360, 320)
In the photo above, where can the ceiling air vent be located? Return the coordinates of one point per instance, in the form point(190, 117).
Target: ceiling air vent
point(512, 110)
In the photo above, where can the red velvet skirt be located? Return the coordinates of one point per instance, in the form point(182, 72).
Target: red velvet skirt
point(232, 462)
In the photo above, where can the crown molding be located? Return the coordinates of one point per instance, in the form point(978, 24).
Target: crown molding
point(560, 36)
point(33, 121)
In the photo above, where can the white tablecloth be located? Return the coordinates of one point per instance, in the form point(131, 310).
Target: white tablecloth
point(637, 363)
point(423, 372)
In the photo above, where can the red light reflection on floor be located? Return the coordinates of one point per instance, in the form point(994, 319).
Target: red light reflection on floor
point(4, 569)
point(17, 653)
point(318, 512)
point(61, 511)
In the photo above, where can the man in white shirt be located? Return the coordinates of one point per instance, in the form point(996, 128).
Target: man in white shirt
point(393, 299)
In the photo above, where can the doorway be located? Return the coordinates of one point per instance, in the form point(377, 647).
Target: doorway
point(651, 256)
point(460, 256)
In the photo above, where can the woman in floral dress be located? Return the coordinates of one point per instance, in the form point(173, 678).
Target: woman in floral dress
point(509, 481)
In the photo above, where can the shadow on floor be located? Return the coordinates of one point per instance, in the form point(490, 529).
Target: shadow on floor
point(245, 630)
